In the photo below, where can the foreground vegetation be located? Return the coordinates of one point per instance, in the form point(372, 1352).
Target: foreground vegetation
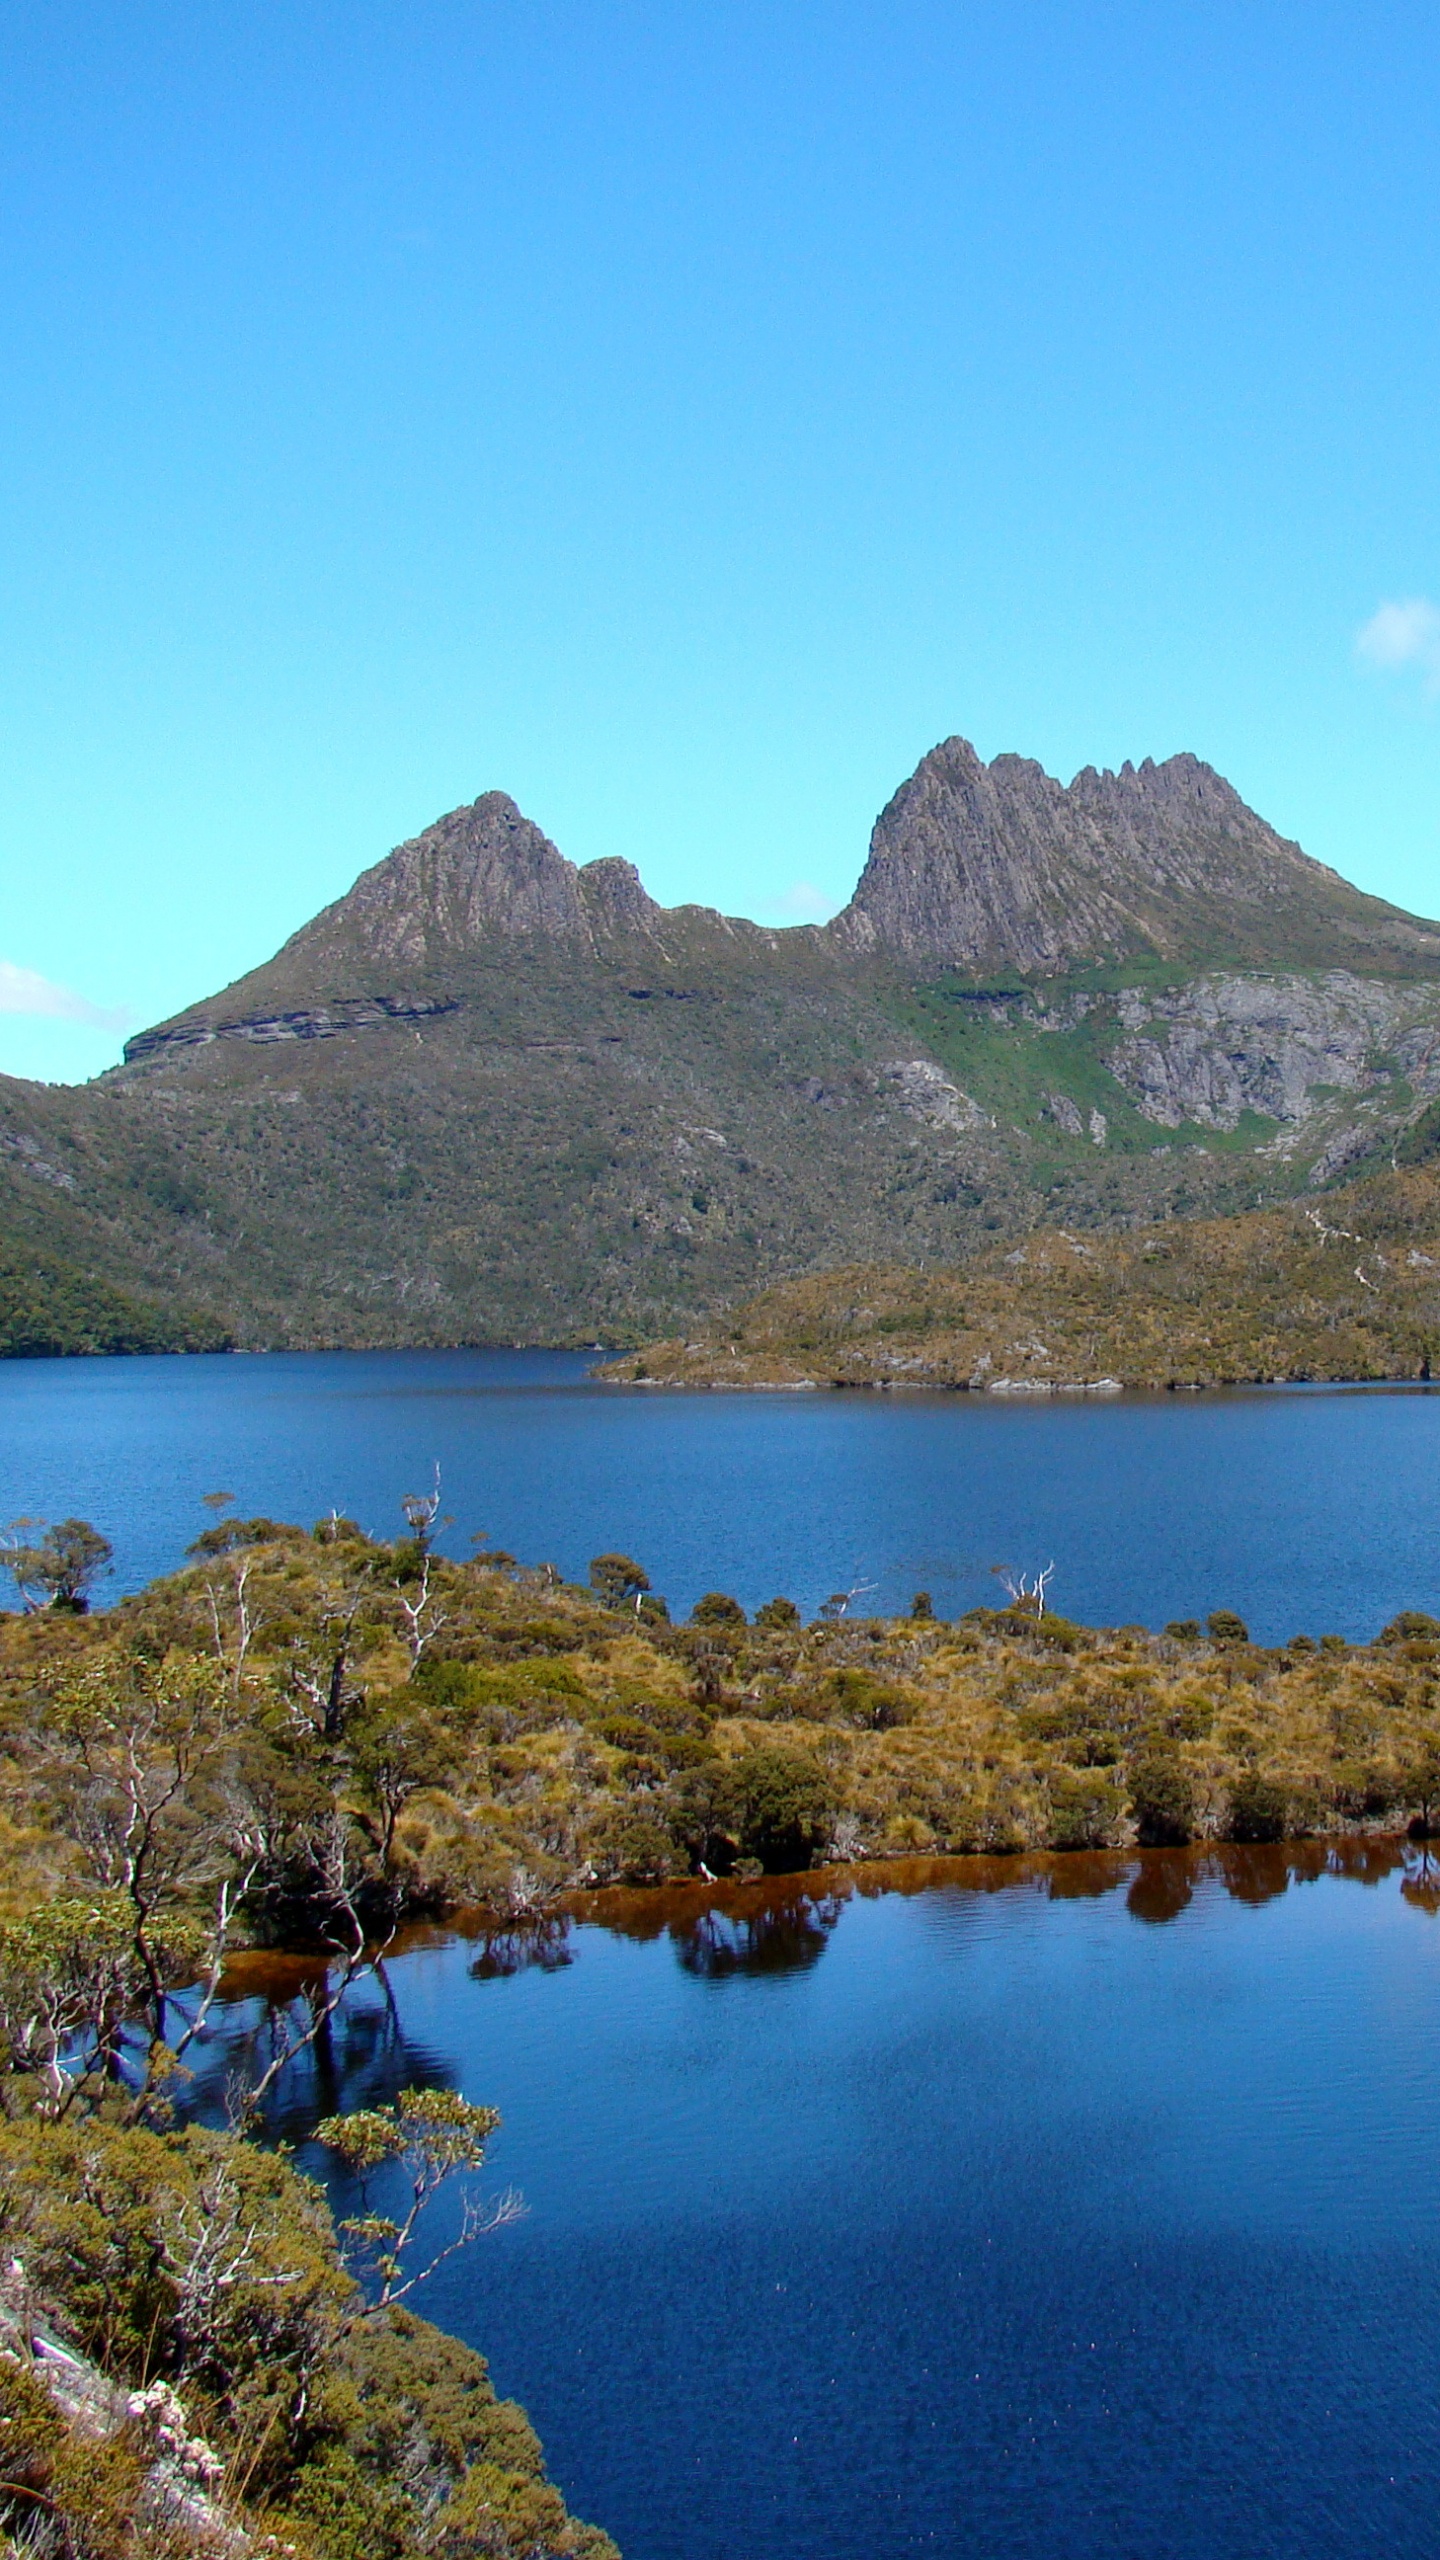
point(305, 1735)
point(1344, 1287)
point(343, 1729)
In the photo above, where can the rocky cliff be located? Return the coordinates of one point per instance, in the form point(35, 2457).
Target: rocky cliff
point(1001, 866)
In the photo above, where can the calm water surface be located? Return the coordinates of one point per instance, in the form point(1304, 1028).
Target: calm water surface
point(1312, 1510)
point(1079, 2206)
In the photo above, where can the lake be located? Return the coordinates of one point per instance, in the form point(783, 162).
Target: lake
point(1309, 1510)
point(1076, 2205)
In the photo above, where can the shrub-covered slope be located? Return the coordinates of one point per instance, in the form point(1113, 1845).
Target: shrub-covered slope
point(49, 1307)
point(1347, 1286)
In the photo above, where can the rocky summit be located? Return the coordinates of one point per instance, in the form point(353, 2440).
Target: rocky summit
point(1001, 866)
point(488, 1095)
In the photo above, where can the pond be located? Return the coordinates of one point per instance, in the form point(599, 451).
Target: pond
point(1311, 1510)
point(1081, 2205)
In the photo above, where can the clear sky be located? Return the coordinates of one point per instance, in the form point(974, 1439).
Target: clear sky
point(680, 416)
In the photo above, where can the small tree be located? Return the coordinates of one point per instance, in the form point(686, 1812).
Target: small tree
point(717, 1609)
point(782, 1807)
point(1259, 1810)
point(396, 1750)
point(430, 2135)
point(1026, 1592)
point(840, 1603)
point(1224, 1627)
point(618, 1581)
point(73, 1976)
point(57, 1572)
point(421, 1511)
point(1162, 1800)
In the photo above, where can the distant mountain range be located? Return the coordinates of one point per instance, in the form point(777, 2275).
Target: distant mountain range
point(490, 1096)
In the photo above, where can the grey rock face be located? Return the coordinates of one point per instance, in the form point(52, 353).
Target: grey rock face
point(984, 865)
point(927, 1093)
point(1065, 1114)
point(483, 869)
point(1227, 1044)
point(614, 899)
point(317, 1022)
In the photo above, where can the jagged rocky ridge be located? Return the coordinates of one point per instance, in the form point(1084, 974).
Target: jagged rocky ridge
point(490, 1095)
point(1000, 865)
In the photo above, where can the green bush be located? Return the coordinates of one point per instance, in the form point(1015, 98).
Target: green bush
point(1225, 1628)
point(357, 2429)
point(1162, 1801)
point(783, 1805)
point(1259, 1810)
point(1085, 1809)
point(717, 1609)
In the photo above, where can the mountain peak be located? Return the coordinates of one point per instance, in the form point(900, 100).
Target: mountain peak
point(484, 868)
point(974, 866)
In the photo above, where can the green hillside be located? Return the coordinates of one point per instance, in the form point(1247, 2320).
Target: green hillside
point(49, 1307)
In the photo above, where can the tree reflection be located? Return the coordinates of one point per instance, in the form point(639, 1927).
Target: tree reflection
point(1421, 1882)
point(358, 2055)
point(1163, 1888)
point(1255, 1875)
point(1083, 1875)
point(543, 1943)
point(779, 1936)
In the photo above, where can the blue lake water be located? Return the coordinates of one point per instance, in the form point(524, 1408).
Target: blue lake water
point(1309, 1509)
point(1077, 2206)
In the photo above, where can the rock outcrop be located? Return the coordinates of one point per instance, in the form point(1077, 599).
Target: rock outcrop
point(1225, 1044)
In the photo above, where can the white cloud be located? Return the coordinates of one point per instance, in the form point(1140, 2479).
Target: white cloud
point(801, 903)
point(25, 991)
point(1404, 633)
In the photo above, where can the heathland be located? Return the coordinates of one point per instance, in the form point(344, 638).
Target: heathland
point(1344, 1287)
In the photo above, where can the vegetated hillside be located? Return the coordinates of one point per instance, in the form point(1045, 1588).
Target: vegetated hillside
point(487, 1096)
point(49, 1308)
point(1344, 1287)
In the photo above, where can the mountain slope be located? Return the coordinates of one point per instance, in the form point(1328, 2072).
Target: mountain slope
point(50, 1308)
point(487, 1095)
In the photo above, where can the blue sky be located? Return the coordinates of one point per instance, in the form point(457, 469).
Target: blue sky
point(680, 416)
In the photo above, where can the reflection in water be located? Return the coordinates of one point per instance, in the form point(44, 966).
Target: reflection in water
point(543, 1943)
point(363, 2055)
point(780, 1923)
point(358, 2056)
point(1161, 1891)
point(1422, 1881)
point(1018, 2226)
point(784, 1934)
